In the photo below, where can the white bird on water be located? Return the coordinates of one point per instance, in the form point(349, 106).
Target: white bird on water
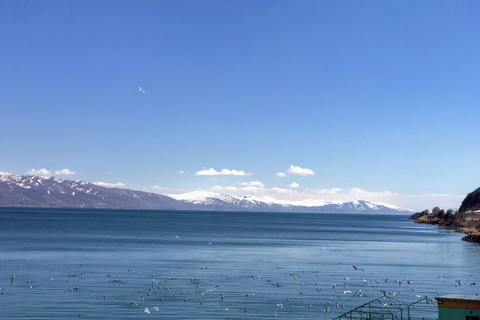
point(141, 90)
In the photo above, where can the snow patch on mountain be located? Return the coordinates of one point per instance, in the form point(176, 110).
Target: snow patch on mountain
point(39, 191)
point(210, 199)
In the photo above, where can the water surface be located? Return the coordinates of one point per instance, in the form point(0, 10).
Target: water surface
point(94, 263)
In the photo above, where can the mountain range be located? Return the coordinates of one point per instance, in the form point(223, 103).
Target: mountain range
point(36, 191)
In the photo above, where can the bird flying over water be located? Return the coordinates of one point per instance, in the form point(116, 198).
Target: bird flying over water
point(141, 90)
point(359, 292)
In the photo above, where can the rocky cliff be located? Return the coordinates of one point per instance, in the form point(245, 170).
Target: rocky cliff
point(471, 202)
point(465, 220)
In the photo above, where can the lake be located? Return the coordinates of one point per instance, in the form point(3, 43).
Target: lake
point(118, 264)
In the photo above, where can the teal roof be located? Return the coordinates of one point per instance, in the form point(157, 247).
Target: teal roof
point(459, 297)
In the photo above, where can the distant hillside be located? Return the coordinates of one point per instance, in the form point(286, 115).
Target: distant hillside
point(34, 191)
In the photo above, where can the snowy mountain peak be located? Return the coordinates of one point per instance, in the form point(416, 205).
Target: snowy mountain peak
point(36, 191)
point(252, 203)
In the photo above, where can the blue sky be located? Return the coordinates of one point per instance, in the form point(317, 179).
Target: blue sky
point(378, 99)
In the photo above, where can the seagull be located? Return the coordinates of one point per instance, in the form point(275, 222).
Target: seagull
point(458, 282)
point(354, 267)
point(360, 293)
point(141, 90)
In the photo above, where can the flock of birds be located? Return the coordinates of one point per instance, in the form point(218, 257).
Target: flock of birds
point(291, 292)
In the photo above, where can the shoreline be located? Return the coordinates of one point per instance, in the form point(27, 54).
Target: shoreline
point(455, 223)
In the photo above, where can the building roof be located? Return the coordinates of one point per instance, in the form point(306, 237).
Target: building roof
point(460, 298)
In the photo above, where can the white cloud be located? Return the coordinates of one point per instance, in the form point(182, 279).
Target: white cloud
point(363, 193)
point(252, 183)
point(181, 171)
point(329, 191)
point(226, 190)
point(41, 172)
point(224, 172)
point(5, 174)
point(64, 172)
point(282, 190)
point(252, 190)
point(294, 185)
point(163, 190)
point(109, 185)
point(297, 171)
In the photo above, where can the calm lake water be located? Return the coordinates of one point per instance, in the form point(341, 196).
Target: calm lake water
point(92, 264)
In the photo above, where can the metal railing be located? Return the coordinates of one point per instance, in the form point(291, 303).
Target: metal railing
point(388, 308)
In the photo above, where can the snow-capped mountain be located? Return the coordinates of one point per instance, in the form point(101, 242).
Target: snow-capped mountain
point(216, 201)
point(35, 191)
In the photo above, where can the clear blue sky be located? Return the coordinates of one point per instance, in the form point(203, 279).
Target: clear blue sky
point(380, 99)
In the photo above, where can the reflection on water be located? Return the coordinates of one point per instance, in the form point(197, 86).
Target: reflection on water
point(210, 265)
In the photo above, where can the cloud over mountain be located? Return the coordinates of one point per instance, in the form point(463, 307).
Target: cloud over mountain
point(65, 172)
point(109, 185)
point(295, 171)
point(40, 172)
point(252, 183)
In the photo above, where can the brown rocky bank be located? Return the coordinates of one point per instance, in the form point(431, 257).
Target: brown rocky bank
point(465, 220)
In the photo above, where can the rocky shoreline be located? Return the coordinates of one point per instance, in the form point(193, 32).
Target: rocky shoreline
point(473, 234)
point(465, 220)
point(472, 238)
